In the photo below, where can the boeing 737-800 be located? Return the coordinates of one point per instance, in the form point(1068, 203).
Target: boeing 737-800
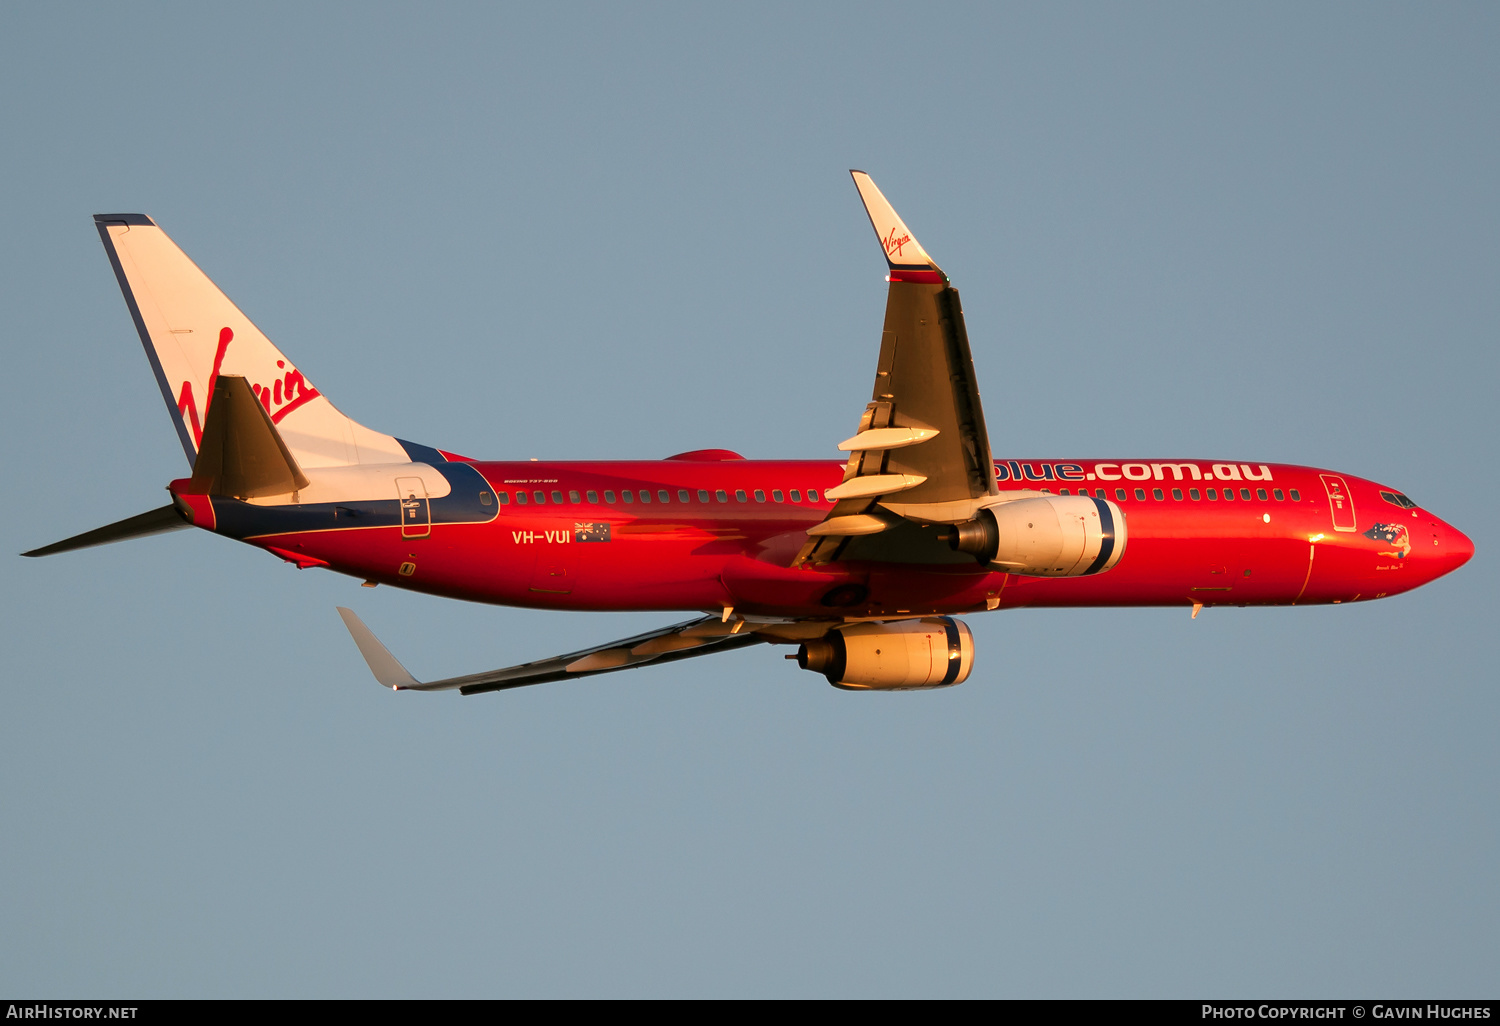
point(862, 564)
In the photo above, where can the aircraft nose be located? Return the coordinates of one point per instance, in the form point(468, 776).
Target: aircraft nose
point(1450, 548)
point(1460, 548)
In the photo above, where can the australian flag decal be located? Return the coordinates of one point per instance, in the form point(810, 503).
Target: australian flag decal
point(591, 532)
point(1396, 535)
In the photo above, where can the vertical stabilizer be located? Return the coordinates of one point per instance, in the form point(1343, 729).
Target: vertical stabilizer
point(193, 333)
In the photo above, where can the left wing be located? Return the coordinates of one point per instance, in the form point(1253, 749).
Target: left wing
point(922, 452)
point(685, 640)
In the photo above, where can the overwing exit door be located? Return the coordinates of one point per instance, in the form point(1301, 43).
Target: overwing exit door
point(416, 512)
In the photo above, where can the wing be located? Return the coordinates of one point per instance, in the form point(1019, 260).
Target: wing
point(703, 636)
point(921, 451)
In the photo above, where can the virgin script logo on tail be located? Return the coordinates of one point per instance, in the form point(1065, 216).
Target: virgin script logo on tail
point(287, 391)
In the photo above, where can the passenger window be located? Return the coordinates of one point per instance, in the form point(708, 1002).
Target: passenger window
point(1062, 491)
point(721, 495)
point(796, 495)
point(812, 495)
point(1140, 494)
point(1277, 492)
point(573, 496)
point(1245, 494)
point(645, 495)
point(627, 495)
point(593, 495)
point(1260, 493)
point(1193, 494)
point(1294, 495)
point(1177, 494)
point(540, 497)
point(609, 495)
point(740, 496)
point(1119, 495)
point(1229, 495)
point(1156, 494)
point(1213, 495)
point(683, 496)
point(760, 496)
point(777, 496)
point(486, 499)
point(702, 495)
point(557, 496)
point(520, 498)
point(663, 495)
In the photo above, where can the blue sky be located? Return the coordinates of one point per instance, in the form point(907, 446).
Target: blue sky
point(1260, 233)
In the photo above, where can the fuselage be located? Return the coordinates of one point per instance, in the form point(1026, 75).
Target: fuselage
point(710, 531)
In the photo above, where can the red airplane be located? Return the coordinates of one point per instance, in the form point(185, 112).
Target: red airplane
point(861, 564)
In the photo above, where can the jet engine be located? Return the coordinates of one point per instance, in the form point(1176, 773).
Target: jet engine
point(1045, 536)
point(907, 655)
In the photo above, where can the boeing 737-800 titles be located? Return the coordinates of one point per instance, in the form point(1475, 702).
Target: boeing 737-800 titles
point(862, 564)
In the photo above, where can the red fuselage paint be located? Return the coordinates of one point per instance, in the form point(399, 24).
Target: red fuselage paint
point(1335, 542)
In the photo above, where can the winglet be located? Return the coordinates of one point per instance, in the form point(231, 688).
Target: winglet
point(907, 259)
point(386, 667)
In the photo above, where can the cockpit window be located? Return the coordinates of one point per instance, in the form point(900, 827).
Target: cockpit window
point(1397, 499)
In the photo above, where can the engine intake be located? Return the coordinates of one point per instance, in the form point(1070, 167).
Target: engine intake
point(1045, 536)
point(908, 655)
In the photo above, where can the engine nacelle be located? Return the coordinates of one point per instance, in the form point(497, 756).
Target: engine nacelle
point(908, 655)
point(1045, 536)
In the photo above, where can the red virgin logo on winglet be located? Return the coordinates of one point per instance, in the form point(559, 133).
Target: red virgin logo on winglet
point(893, 244)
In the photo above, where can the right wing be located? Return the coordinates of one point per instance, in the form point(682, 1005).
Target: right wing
point(922, 450)
point(703, 636)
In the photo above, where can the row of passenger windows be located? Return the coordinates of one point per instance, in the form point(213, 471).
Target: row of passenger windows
point(629, 496)
point(645, 495)
point(1193, 494)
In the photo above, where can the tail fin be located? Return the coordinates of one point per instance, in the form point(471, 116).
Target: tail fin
point(193, 333)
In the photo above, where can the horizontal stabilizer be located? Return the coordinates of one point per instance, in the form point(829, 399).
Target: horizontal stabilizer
point(685, 640)
point(168, 518)
point(242, 453)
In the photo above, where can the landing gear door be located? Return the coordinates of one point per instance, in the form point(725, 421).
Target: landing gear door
point(416, 513)
point(1340, 502)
